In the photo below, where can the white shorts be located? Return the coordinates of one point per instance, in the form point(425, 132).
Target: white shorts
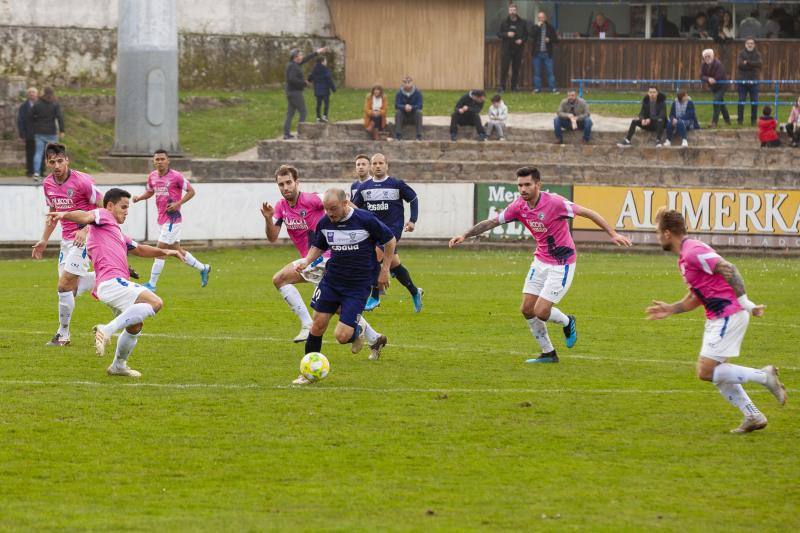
point(550, 282)
point(313, 273)
point(170, 233)
point(118, 293)
point(723, 337)
point(73, 259)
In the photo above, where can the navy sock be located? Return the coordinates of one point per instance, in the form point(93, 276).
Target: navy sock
point(404, 278)
point(376, 293)
point(356, 333)
point(313, 343)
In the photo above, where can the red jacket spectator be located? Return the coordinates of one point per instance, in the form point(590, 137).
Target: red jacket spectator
point(766, 129)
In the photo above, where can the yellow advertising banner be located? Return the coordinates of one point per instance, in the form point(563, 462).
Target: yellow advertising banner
point(709, 211)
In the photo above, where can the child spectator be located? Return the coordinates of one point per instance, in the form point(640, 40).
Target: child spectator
point(498, 113)
point(766, 129)
point(793, 126)
point(323, 87)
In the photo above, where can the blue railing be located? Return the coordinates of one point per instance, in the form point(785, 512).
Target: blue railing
point(675, 84)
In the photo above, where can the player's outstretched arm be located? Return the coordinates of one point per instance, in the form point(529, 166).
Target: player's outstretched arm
point(144, 196)
point(594, 216)
point(145, 250)
point(660, 310)
point(77, 216)
point(312, 255)
point(731, 274)
point(272, 230)
point(474, 231)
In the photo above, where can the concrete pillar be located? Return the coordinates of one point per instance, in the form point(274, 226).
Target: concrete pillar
point(147, 78)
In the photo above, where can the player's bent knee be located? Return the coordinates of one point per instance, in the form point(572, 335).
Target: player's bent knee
point(705, 369)
point(277, 280)
point(134, 329)
point(342, 337)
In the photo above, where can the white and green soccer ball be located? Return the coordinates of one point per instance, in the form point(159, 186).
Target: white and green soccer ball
point(315, 366)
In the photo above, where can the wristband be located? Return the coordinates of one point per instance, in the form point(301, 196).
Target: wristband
point(745, 302)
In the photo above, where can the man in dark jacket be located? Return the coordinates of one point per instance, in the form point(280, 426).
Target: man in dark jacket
point(712, 73)
point(48, 126)
point(468, 113)
point(408, 108)
point(25, 128)
point(652, 117)
point(748, 66)
point(543, 37)
point(322, 78)
point(295, 83)
point(513, 33)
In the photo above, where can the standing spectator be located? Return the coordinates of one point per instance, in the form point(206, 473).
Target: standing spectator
point(543, 37)
point(295, 83)
point(468, 113)
point(408, 107)
point(25, 129)
point(793, 126)
point(766, 129)
point(322, 79)
point(699, 30)
point(748, 66)
point(573, 114)
point(498, 114)
point(602, 25)
point(682, 118)
point(513, 33)
point(48, 126)
point(750, 28)
point(713, 73)
point(375, 112)
point(652, 117)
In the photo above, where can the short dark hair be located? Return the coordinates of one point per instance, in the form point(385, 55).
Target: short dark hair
point(55, 149)
point(681, 94)
point(767, 111)
point(161, 151)
point(115, 195)
point(672, 220)
point(533, 172)
point(361, 156)
point(497, 97)
point(283, 170)
point(478, 92)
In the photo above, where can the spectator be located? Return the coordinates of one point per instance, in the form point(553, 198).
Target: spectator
point(714, 21)
point(766, 129)
point(602, 27)
point(713, 74)
point(573, 114)
point(726, 32)
point(408, 107)
point(375, 112)
point(699, 30)
point(25, 129)
point(468, 113)
point(793, 126)
point(652, 117)
point(295, 82)
point(748, 66)
point(543, 37)
point(322, 79)
point(750, 28)
point(498, 113)
point(772, 28)
point(682, 118)
point(48, 126)
point(513, 34)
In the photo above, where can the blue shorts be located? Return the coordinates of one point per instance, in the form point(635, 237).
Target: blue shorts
point(349, 302)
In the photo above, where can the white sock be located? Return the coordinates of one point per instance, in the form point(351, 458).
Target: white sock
point(295, 302)
point(728, 373)
point(66, 304)
point(370, 334)
point(737, 397)
point(539, 331)
point(558, 317)
point(135, 314)
point(125, 345)
point(190, 260)
point(155, 271)
point(86, 283)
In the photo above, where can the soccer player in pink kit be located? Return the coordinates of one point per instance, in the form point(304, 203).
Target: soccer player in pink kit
point(108, 248)
point(546, 216)
point(717, 285)
point(67, 190)
point(172, 190)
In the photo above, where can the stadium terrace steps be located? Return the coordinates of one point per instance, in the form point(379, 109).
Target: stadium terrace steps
point(12, 154)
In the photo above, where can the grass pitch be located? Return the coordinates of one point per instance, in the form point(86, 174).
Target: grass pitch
point(449, 430)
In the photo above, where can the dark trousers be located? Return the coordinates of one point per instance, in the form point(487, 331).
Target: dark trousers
point(30, 151)
point(403, 117)
point(513, 57)
point(656, 125)
point(296, 103)
point(719, 96)
point(793, 133)
point(584, 125)
point(323, 100)
point(466, 119)
point(746, 89)
point(771, 144)
point(681, 126)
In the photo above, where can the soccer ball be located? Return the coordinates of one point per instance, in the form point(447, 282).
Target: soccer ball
point(315, 366)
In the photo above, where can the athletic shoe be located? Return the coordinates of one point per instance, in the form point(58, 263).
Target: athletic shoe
point(751, 423)
point(115, 370)
point(301, 380)
point(372, 303)
point(375, 349)
point(570, 332)
point(658, 144)
point(625, 143)
point(773, 383)
point(151, 288)
point(358, 344)
point(204, 275)
point(417, 299)
point(684, 143)
point(303, 335)
point(100, 340)
point(58, 340)
point(549, 357)
point(667, 143)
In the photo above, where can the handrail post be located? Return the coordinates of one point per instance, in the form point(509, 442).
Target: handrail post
point(777, 99)
point(580, 88)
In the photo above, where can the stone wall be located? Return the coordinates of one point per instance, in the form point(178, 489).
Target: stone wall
point(12, 91)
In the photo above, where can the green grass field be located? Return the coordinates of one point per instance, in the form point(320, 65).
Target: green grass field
point(450, 430)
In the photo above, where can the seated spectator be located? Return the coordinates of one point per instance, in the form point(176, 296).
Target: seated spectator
point(699, 30)
point(498, 113)
point(793, 126)
point(602, 25)
point(652, 117)
point(726, 32)
point(322, 79)
point(408, 108)
point(573, 114)
point(468, 113)
point(766, 129)
point(375, 112)
point(750, 28)
point(682, 118)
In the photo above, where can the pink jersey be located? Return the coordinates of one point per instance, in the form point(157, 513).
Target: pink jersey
point(167, 188)
point(300, 220)
point(78, 191)
point(108, 247)
point(548, 222)
point(697, 261)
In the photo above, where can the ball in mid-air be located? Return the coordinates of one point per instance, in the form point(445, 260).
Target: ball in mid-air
point(315, 366)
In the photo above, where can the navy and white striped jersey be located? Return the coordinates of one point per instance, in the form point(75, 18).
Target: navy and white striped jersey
point(384, 198)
